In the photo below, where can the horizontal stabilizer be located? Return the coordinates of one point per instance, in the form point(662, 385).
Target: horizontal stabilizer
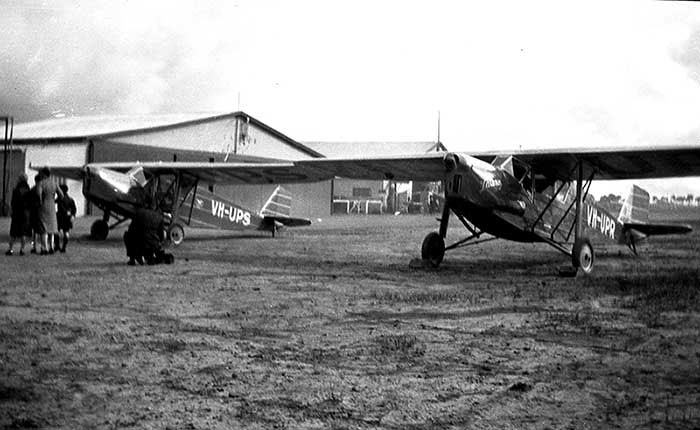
point(658, 229)
point(288, 221)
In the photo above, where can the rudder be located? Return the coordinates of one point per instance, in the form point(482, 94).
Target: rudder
point(635, 209)
point(279, 204)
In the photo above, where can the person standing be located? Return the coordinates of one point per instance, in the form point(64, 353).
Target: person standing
point(34, 206)
point(19, 224)
point(48, 190)
point(65, 212)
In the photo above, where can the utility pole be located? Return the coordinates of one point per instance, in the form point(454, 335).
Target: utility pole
point(438, 130)
point(7, 147)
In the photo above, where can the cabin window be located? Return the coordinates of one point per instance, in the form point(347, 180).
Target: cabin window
point(456, 183)
point(523, 173)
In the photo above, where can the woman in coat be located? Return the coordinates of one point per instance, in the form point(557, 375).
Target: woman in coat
point(48, 190)
point(19, 224)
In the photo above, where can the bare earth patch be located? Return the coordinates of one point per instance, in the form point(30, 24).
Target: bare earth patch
point(327, 327)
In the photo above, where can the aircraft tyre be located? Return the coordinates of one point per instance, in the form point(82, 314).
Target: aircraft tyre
point(582, 255)
point(433, 249)
point(176, 234)
point(99, 230)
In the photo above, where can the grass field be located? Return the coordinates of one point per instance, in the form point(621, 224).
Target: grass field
point(327, 327)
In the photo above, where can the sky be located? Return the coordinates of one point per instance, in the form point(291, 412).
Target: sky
point(504, 75)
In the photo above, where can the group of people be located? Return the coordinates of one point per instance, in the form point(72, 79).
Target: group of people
point(42, 215)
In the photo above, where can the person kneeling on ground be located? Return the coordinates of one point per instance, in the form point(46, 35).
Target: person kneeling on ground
point(144, 238)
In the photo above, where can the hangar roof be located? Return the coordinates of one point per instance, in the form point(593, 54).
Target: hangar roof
point(80, 127)
point(373, 149)
point(99, 125)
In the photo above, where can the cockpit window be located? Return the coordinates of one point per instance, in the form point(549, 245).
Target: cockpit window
point(519, 170)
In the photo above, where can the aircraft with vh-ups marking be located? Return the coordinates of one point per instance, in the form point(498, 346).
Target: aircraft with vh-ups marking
point(524, 196)
point(118, 192)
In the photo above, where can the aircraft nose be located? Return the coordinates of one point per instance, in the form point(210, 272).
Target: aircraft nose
point(451, 161)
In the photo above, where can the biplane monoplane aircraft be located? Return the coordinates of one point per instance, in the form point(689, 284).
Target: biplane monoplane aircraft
point(118, 193)
point(525, 196)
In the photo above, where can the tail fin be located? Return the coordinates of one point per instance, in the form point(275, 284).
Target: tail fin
point(634, 216)
point(279, 204)
point(278, 208)
point(635, 209)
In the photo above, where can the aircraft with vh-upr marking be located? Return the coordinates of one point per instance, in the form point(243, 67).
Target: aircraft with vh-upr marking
point(524, 196)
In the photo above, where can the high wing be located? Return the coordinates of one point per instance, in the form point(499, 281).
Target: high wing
point(429, 167)
point(625, 163)
point(68, 172)
point(611, 163)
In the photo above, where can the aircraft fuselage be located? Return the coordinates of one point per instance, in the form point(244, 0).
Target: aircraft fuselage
point(503, 205)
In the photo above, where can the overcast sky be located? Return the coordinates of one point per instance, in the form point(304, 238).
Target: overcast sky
point(503, 75)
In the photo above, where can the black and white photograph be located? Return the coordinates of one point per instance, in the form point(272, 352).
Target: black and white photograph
point(307, 214)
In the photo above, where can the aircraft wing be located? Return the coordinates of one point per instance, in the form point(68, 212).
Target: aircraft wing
point(428, 167)
point(68, 172)
point(611, 163)
point(625, 163)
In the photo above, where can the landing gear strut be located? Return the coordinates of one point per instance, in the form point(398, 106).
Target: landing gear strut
point(582, 256)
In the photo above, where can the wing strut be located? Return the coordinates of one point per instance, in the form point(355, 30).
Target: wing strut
point(579, 201)
point(444, 220)
point(475, 234)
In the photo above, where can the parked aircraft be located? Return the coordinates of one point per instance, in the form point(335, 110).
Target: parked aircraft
point(525, 196)
point(178, 196)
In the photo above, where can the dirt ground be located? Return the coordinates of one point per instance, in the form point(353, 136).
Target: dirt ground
point(328, 327)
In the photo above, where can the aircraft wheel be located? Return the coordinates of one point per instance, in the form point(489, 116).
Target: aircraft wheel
point(176, 234)
point(99, 230)
point(433, 249)
point(582, 255)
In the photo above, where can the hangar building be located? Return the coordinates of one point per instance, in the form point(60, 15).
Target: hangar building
point(184, 137)
point(75, 141)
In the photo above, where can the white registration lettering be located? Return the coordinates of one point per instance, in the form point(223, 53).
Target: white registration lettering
point(234, 214)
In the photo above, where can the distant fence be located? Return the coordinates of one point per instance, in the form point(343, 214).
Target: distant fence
point(367, 207)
